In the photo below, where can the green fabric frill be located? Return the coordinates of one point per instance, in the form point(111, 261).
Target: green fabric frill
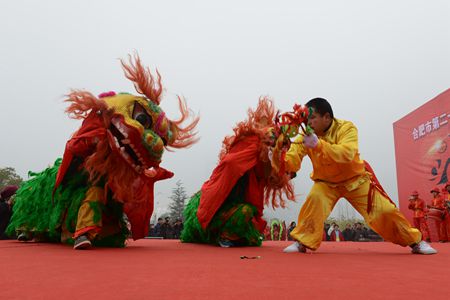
point(41, 217)
point(237, 224)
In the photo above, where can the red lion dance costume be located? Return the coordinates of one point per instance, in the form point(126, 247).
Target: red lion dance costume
point(109, 168)
point(229, 207)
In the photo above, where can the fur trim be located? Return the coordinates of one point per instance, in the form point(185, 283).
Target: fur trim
point(259, 122)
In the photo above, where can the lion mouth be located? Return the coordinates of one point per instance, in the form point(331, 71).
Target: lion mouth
point(128, 146)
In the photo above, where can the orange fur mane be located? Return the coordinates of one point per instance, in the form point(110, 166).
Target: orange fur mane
point(186, 136)
point(143, 80)
point(258, 123)
point(146, 84)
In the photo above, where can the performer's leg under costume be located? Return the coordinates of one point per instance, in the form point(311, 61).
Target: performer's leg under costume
point(384, 217)
point(232, 222)
point(89, 221)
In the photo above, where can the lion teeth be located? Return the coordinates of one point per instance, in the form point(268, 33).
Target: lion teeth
point(122, 130)
point(117, 142)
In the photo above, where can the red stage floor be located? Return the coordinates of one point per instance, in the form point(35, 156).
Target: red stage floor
point(168, 269)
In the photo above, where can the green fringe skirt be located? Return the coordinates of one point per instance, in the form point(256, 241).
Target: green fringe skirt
point(45, 219)
point(231, 222)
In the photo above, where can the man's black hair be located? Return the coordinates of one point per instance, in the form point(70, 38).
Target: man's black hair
point(321, 106)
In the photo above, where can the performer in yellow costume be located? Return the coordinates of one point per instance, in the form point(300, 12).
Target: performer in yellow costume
point(339, 172)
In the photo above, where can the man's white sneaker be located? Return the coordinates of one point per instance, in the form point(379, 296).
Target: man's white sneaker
point(295, 247)
point(423, 248)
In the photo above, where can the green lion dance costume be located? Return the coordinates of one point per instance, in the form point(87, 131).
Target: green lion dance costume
point(228, 209)
point(109, 168)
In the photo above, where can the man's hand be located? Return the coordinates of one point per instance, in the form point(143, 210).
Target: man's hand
point(310, 141)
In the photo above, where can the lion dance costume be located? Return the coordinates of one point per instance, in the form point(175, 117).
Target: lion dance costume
point(229, 206)
point(108, 169)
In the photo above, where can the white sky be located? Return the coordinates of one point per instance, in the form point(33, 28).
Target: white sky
point(375, 61)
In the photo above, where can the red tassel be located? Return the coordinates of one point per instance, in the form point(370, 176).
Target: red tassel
point(374, 184)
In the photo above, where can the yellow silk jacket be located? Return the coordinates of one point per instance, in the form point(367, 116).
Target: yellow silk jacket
point(336, 157)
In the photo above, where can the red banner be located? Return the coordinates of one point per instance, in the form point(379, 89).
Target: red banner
point(422, 151)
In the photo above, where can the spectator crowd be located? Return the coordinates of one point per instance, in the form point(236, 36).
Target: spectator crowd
point(356, 232)
point(277, 231)
point(165, 229)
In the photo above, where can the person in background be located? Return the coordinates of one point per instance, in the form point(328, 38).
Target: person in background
point(325, 235)
point(6, 209)
point(360, 233)
point(177, 228)
point(158, 227)
point(336, 235)
point(266, 233)
point(284, 232)
point(291, 227)
point(437, 213)
point(372, 236)
point(166, 229)
point(330, 230)
point(446, 195)
point(418, 206)
point(151, 230)
point(348, 233)
point(275, 231)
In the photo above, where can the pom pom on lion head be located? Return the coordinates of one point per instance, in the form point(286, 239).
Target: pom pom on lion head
point(136, 129)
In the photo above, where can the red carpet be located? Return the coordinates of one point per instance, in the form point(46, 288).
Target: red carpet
point(168, 269)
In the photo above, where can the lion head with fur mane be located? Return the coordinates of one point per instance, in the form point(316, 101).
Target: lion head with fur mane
point(134, 130)
point(260, 122)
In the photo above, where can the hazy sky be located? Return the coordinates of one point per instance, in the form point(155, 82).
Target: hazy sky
point(375, 61)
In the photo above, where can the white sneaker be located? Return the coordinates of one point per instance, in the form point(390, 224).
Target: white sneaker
point(295, 247)
point(423, 248)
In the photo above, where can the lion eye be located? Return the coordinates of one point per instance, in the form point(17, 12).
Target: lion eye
point(141, 115)
point(145, 120)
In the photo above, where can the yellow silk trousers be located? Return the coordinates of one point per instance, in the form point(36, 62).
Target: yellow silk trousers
point(85, 221)
point(384, 218)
